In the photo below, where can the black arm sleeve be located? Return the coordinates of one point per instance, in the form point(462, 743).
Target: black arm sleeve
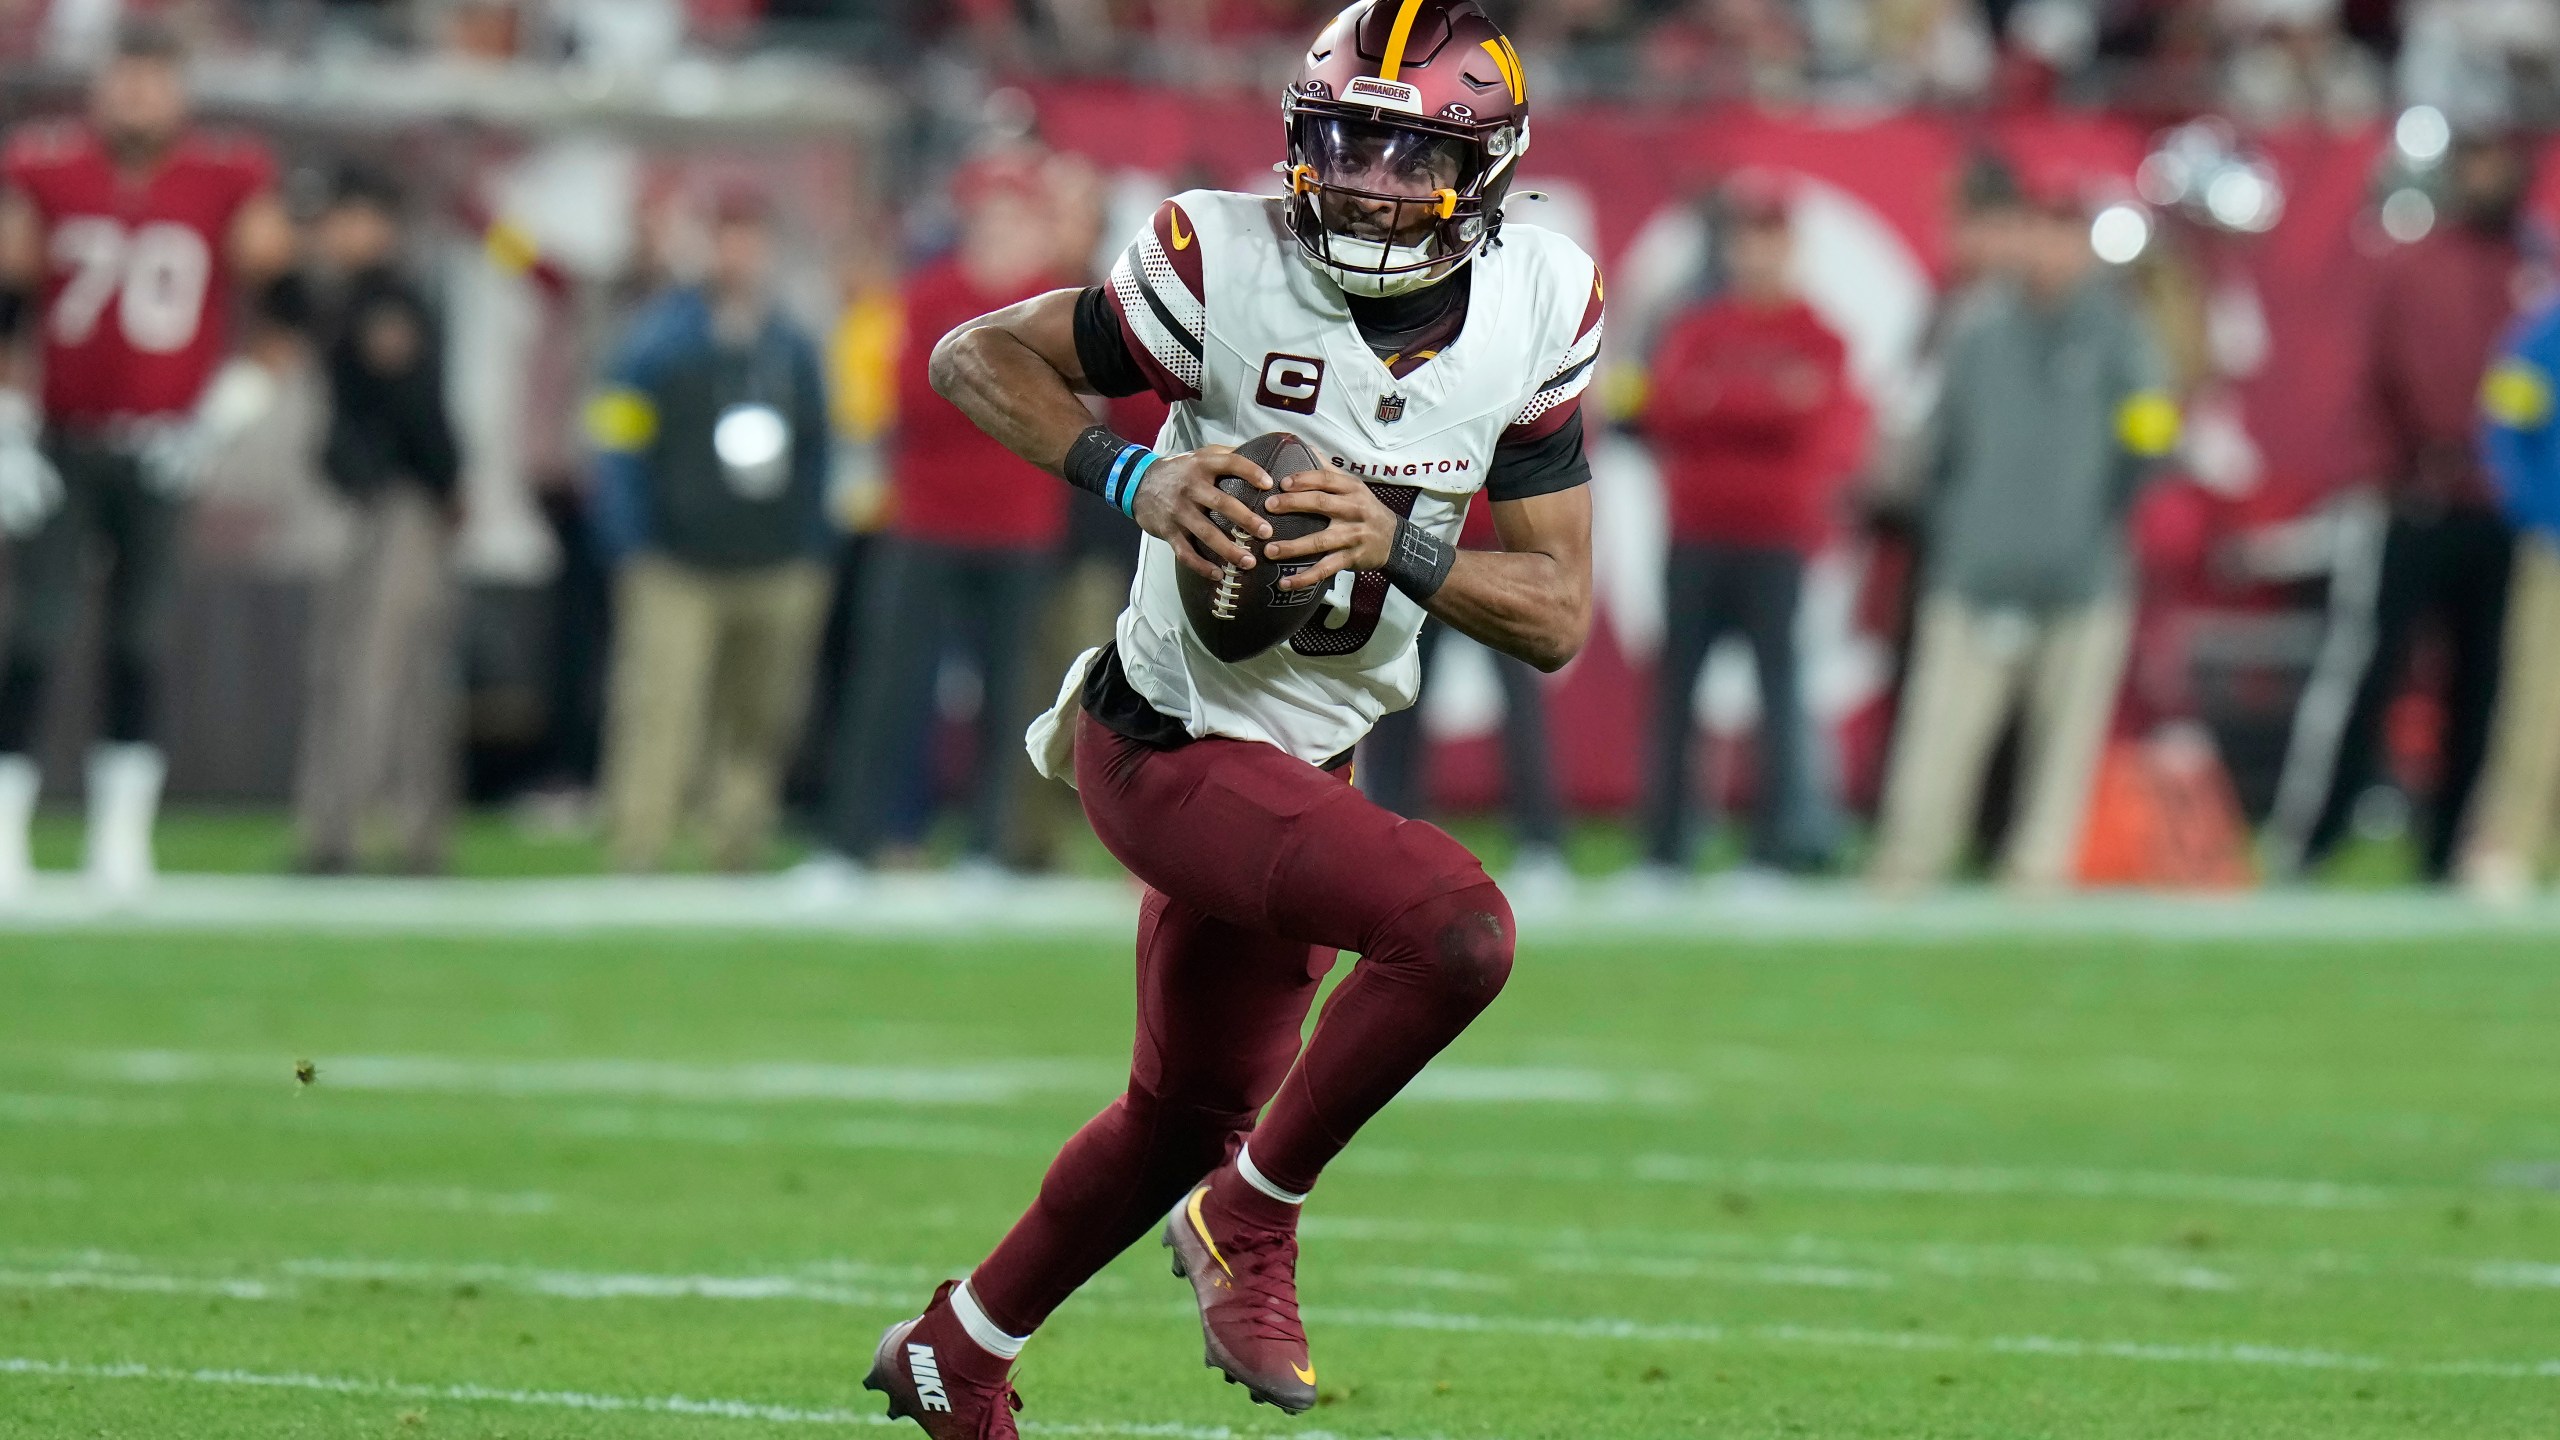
point(1101, 349)
point(1543, 466)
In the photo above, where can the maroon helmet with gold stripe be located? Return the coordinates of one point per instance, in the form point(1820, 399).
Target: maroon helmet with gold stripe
point(1406, 125)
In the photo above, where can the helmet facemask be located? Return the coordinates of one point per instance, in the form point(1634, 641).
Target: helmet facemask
point(1386, 206)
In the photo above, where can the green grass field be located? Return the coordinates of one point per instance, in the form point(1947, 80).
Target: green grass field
point(673, 1186)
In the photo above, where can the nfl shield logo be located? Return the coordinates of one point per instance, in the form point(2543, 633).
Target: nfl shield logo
point(1390, 409)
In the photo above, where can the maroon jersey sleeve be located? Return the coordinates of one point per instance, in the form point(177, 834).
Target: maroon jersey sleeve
point(32, 158)
point(247, 167)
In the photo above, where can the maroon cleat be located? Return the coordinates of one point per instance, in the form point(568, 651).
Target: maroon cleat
point(935, 1375)
point(1239, 1249)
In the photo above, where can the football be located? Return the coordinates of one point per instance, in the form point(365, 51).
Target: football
point(1245, 612)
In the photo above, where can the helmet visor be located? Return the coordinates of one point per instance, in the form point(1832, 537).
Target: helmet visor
point(1385, 182)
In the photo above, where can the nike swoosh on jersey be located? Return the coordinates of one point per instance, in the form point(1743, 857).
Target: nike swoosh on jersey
point(1180, 240)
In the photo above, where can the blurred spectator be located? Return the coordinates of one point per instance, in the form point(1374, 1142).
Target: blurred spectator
point(1747, 392)
point(711, 493)
point(973, 534)
point(2290, 61)
point(2441, 308)
point(1727, 49)
point(1393, 766)
point(2050, 419)
point(379, 719)
point(1929, 49)
point(2477, 59)
point(2520, 790)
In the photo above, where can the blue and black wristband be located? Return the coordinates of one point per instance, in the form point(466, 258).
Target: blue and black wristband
point(1108, 466)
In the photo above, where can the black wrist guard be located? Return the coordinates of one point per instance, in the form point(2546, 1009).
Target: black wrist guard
point(1108, 466)
point(16, 308)
point(1419, 562)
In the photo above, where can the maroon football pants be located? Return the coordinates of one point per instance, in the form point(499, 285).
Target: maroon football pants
point(1258, 867)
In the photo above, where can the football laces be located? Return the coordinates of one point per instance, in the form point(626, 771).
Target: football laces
point(1222, 601)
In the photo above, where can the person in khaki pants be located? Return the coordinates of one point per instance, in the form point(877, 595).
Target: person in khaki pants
point(379, 724)
point(710, 679)
point(712, 433)
point(2052, 415)
point(2513, 811)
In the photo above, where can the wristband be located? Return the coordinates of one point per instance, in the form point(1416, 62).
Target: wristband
point(1418, 563)
point(1108, 466)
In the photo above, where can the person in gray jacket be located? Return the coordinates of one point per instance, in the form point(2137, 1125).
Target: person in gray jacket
point(2053, 414)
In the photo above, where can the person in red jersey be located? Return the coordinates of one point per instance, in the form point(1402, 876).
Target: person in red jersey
point(1428, 349)
point(122, 242)
point(1744, 412)
point(973, 536)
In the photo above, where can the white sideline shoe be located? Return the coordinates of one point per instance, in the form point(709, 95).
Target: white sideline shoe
point(124, 804)
point(19, 782)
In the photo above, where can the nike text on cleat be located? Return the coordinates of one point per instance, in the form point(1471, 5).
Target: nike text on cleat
point(935, 1375)
point(1242, 1260)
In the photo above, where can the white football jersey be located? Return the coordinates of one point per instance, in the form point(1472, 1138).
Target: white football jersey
point(1244, 337)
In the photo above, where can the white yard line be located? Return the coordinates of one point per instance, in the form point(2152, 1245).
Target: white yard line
point(995, 1084)
point(1882, 1177)
point(680, 1405)
point(990, 1083)
point(123, 1273)
point(454, 1199)
point(936, 905)
point(143, 1284)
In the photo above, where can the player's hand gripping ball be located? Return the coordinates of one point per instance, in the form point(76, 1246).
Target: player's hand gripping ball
point(1232, 593)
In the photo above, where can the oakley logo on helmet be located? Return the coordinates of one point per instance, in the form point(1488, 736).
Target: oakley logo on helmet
point(1317, 88)
point(1394, 94)
point(1460, 113)
point(1290, 382)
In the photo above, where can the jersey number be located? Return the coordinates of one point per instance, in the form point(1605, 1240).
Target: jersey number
point(154, 274)
point(1368, 594)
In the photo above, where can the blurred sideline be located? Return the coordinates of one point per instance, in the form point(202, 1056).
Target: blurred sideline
point(939, 905)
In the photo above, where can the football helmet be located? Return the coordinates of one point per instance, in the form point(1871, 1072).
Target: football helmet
point(1406, 125)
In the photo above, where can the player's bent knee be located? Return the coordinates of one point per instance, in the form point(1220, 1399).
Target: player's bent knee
point(1465, 939)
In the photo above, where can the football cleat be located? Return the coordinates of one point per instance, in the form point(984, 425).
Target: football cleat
point(935, 1375)
point(1241, 1258)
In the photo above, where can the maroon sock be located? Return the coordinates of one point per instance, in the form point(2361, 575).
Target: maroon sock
point(1430, 973)
point(1111, 1185)
point(1234, 1197)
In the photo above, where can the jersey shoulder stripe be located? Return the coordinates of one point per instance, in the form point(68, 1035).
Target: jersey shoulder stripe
point(1159, 293)
point(1564, 377)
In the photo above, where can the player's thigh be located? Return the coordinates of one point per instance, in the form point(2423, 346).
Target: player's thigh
point(1258, 838)
point(1220, 1007)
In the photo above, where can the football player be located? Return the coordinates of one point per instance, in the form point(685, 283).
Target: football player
point(1385, 312)
point(122, 240)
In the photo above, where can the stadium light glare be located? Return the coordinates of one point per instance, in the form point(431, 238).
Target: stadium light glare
point(2242, 199)
point(2408, 215)
point(2423, 134)
point(2119, 234)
